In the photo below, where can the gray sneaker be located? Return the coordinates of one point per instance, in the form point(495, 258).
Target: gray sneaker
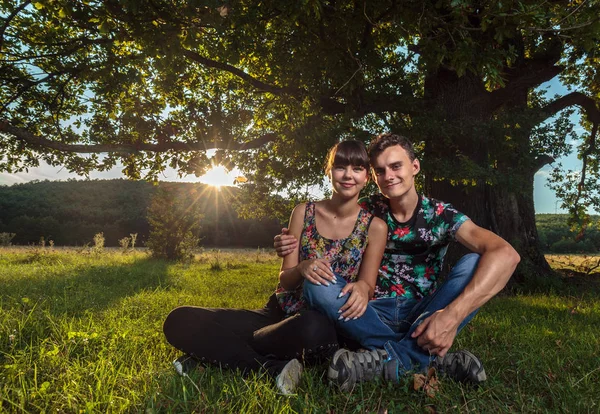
point(288, 379)
point(347, 367)
point(461, 366)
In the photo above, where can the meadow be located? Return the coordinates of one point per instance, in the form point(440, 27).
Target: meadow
point(80, 332)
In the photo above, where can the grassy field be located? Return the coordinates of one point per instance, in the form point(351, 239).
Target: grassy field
point(81, 332)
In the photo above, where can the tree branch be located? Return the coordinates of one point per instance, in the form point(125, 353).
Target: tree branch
point(373, 104)
point(44, 143)
point(574, 98)
point(540, 161)
point(28, 84)
point(9, 19)
point(524, 78)
point(581, 186)
point(196, 57)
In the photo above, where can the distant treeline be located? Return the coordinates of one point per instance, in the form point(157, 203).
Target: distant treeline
point(71, 212)
point(556, 236)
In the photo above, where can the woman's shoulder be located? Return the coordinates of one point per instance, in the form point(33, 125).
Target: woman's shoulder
point(378, 225)
point(298, 213)
point(300, 207)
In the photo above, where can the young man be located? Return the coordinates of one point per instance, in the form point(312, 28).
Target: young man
point(414, 319)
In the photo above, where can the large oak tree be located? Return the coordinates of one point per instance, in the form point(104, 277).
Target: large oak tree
point(271, 85)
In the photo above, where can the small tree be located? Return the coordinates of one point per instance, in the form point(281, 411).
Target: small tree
point(174, 222)
point(98, 243)
point(6, 238)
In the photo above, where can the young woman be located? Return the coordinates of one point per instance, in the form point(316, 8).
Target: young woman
point(338, 239)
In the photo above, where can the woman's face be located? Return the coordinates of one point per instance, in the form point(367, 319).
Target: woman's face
point(348, 180)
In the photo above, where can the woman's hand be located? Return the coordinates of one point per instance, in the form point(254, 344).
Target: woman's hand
point(317, 271)
point(356, 305)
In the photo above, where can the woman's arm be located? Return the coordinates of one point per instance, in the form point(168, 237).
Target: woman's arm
point(316, 271)
point(362, 290)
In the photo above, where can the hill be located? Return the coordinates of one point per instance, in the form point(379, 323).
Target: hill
point(71, 212)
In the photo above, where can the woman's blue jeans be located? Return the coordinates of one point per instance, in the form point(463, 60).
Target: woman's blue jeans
point(389, 322)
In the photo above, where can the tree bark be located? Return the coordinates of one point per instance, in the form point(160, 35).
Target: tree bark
point(507, 210)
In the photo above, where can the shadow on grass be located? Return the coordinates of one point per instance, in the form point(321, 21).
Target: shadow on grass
point(64, 288)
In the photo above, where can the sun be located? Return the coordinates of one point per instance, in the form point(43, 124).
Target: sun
point(218, 176)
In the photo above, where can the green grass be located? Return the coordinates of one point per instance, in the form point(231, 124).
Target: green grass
point(82, 333)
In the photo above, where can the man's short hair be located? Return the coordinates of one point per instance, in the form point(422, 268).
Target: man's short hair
point(383, 141)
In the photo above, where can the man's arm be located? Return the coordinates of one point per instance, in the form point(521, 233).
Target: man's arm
point(285, 243)
point(292, 271)
point(496, 265)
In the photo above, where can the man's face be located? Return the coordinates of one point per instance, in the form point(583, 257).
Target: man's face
point(395, 172)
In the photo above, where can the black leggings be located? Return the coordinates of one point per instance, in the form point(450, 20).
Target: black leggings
point(251, 339)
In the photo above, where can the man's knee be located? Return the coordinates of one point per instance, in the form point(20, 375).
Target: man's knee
point(465, 267)
point(470, 259)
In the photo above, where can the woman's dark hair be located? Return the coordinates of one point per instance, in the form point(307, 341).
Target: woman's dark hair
point(347, 153)
point(382, 142)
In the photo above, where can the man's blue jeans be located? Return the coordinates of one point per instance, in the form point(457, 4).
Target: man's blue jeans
point(389, 322)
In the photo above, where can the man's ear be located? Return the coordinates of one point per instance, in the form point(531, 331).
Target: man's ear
point(416, 166)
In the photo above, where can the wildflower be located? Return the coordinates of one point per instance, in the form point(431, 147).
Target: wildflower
point(11, 338)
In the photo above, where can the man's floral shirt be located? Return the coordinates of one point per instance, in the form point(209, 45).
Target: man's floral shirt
point(415, 250)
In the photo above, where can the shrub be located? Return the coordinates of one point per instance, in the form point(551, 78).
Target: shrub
point(124, 243)
point(572, 246)
point(98, 243)
point(174, 223)
point(133, 239)
point(6, 238)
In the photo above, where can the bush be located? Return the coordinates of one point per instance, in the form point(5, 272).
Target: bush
point(174, 223)
point(98, 243)
point(5, 239)
point(572, 246)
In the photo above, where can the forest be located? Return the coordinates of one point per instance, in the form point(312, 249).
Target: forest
point(556, 236)
point(71, 212)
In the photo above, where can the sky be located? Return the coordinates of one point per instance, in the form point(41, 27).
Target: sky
point(544, 198)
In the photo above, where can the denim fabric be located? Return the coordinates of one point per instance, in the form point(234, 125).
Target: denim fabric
point(388, 322)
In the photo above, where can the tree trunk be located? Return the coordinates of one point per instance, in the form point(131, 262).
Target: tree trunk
point(507, 208)
point(509, 214)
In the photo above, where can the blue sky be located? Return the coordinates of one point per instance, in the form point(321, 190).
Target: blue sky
point(544, 198)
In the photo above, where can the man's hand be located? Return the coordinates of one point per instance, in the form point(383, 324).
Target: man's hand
point(437, 332)
point(356, 304)
point(284, 243)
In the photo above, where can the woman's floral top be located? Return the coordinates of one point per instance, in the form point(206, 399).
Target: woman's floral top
point(415, 250)
point(344, 255)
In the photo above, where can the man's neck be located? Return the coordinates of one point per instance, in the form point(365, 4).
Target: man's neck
point(403, 207)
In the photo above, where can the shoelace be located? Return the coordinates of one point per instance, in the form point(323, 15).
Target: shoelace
point(369, 365)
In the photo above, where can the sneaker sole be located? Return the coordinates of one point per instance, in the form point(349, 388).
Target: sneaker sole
point(289, 377)
point(480, 376)
point(333, 372)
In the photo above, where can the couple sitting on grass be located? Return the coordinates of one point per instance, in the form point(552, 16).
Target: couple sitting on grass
point(362, 284)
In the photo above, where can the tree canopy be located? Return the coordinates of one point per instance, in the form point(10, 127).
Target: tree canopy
point(271, 85)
